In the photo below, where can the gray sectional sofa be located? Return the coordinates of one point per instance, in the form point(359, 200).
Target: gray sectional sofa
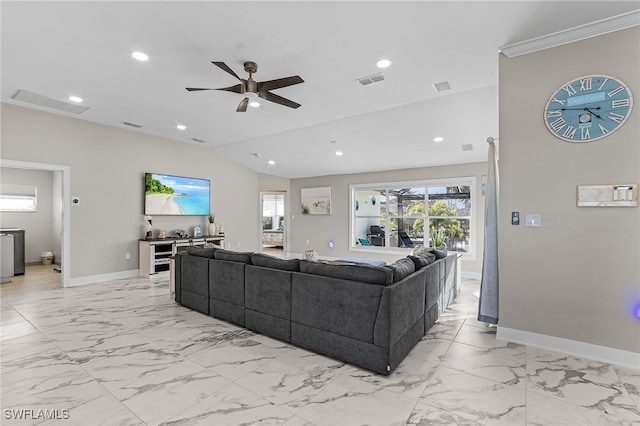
point(370, 316)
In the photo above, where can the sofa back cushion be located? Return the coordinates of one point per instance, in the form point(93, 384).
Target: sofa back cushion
point(233, 256)
point(402, 268)
point(423, 259)
point(440, 252)
point(200, 251)
point(363, 273)
point(261, 259)
point(333, 305)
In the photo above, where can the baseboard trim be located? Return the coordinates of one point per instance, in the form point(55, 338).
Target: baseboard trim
point(92, 279)
point(613, 356)
point(472, 275)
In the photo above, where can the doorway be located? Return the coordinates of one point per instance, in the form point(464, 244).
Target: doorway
point(60, 224)
point(273, 232)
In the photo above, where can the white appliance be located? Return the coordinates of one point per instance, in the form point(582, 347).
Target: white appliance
point(6, 257)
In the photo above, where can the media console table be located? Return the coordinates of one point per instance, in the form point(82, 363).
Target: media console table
point(154, 254)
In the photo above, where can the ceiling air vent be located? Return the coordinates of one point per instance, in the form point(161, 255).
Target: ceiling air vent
point(442, 86)
point(137, 126)
point(44, 101)
point(198, 140)
point(467, 147)
point(373, 78)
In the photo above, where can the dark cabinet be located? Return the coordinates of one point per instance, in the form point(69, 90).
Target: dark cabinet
point(18, 249)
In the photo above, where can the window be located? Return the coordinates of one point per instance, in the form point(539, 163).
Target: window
point(395, 217)
point(18, 198)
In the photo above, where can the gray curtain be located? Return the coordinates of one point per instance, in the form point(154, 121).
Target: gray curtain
point(488, 305)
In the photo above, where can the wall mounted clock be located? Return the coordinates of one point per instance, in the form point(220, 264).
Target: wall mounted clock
point(588, 108)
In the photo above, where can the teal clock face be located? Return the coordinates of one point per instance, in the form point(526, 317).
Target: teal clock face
point(588, 108)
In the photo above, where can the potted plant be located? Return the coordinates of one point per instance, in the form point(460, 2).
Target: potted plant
point(212, 224)
point(438, 236)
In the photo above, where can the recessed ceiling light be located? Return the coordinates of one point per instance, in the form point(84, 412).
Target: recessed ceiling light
point(141, 56)
point(271, 162)
point(254, 104)
point(438, 139)
point(77, 99)
point(383, 63)
point(338, 153)
point(181, 127)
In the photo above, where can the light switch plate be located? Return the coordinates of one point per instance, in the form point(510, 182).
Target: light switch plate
point(533, 220)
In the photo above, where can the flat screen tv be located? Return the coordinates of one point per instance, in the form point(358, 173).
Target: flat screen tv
point(176, 195)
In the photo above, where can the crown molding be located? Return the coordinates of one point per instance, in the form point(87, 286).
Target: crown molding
point(581, 32)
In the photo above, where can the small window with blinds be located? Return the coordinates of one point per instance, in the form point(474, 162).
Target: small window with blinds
point(18, 198)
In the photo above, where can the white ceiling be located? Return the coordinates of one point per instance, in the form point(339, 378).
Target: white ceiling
point(83, 48)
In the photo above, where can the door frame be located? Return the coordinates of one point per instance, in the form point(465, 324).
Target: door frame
point(286, 222)
point(66, 207)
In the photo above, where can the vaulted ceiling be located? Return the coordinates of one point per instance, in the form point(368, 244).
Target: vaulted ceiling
point(58, 49)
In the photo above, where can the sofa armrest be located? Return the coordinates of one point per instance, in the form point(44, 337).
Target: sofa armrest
point(402, 305)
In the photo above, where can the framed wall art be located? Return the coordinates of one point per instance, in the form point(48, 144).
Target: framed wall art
point(316, 200)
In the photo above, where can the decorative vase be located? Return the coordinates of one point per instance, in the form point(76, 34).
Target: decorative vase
point(212, 229)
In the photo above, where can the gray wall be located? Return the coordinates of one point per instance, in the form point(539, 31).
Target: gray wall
point(38, 226)
point(107, 172)
point(576, 276)
point(319, 229)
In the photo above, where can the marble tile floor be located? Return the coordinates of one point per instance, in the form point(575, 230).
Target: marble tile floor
point(124, 353)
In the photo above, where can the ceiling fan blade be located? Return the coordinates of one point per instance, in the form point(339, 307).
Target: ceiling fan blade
point(224, 66)
point(242, 107)
point(278, 99)
point(235, 89)
point(191, 89)
point(280, 82)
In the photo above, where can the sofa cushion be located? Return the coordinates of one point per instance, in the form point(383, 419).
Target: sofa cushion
point(261, 259)
point(423, 259)
point(440, 252)
point(202, 252)
point(233, 256)
point(363, 273)
point(402, 268)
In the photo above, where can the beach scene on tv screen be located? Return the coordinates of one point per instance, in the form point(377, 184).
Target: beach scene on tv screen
point(174, 195)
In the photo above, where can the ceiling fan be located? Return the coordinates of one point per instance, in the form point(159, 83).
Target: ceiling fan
point(251, 89)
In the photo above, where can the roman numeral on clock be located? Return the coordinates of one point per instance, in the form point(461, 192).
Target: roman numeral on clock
point(570, 90)
point(569, 132)
point(615, 91)
point(616, 117)
point(585, 84)
point(554, 113)
point(603, 83)
point(603, 129)
point(620, 103)
point(584, 133)
point(558, 124)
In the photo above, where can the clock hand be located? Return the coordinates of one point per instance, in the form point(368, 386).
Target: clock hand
point(580, 109)
point(593, 113)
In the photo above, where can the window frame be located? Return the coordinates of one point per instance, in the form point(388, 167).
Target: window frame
point(25, 192)
point(427, 183)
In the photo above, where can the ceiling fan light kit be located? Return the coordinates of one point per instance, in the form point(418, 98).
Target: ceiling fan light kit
point(252, 90)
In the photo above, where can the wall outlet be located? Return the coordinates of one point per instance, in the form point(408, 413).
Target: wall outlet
point(127, 256)
point(307, 242)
